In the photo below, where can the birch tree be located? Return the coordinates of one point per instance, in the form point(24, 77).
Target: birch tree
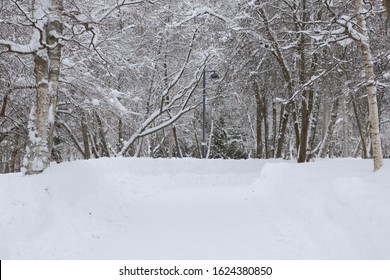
point(44, 21)
point(47, 71)
point(45, 49)
point(355, 28)
point(362, 38)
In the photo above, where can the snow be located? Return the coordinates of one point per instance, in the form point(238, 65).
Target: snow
point(198, 11)
point(51, 116)
point(67, 62)
point(95, 102)
point(317, 37)
point(114, 100)
point(30, 48)
point(345, 42)
point(37, 165)
point(125, 208)
point(41, 8)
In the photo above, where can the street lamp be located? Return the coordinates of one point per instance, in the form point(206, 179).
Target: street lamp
point(214, 75)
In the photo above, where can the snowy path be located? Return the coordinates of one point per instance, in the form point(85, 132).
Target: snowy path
point(193, 209)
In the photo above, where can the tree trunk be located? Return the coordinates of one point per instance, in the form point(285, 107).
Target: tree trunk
point(346, 127)
point(54, 26)
point(314, 126)
point(46, 73)
point(362, 141)
point(178, 150)
point(266, 128)
point(305, 115)
point(14, 154)
point(170, 143)
point(274, 113)
point(84, 129)
point(104, 146)
point(289, 107)
point(259, 119)
point(93, 140)
point(329, 131)
point(282, 133)
point(371, 88)
point(37, 156)
point(386, 3)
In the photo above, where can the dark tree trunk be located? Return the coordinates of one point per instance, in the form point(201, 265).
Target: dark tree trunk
point(282, 133)
point(259, 119)
point(362, 137)
point(386, 3)
point(105, 151)
point(87, 149)
point(274, 113)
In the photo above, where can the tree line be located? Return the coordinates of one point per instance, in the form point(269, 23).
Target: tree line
point(298, 79)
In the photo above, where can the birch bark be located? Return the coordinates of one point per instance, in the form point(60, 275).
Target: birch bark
point(371, 87)
point(46, 72)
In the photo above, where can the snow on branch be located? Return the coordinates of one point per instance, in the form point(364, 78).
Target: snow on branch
point(184, 109)
point(72, 136)
point(30, 48)
point(113, 98)
point(348, 24)
point(25, 14)
point(184, 93)
point(184, 67)
point(103, 13)
point(199, 12)
point(143, 129)
point(307, 84)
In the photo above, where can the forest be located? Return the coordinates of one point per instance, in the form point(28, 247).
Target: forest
point(236, 79)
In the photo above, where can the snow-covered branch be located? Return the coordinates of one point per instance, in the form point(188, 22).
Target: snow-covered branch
point(72, 136)
point(308, 84)
point(143, 129)
point(30, 48)
point(100, 14)
point(199, 12)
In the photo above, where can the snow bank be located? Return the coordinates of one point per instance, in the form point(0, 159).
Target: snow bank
point(197, 209)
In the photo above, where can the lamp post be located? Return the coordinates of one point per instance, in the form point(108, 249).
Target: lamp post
point(214, 75)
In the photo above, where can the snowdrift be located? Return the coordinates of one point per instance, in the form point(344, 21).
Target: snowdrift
point(127, 208)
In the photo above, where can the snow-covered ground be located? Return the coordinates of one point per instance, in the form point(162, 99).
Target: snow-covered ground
point(197, 209)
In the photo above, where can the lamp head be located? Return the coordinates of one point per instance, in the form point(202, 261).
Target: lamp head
point(214, 75)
